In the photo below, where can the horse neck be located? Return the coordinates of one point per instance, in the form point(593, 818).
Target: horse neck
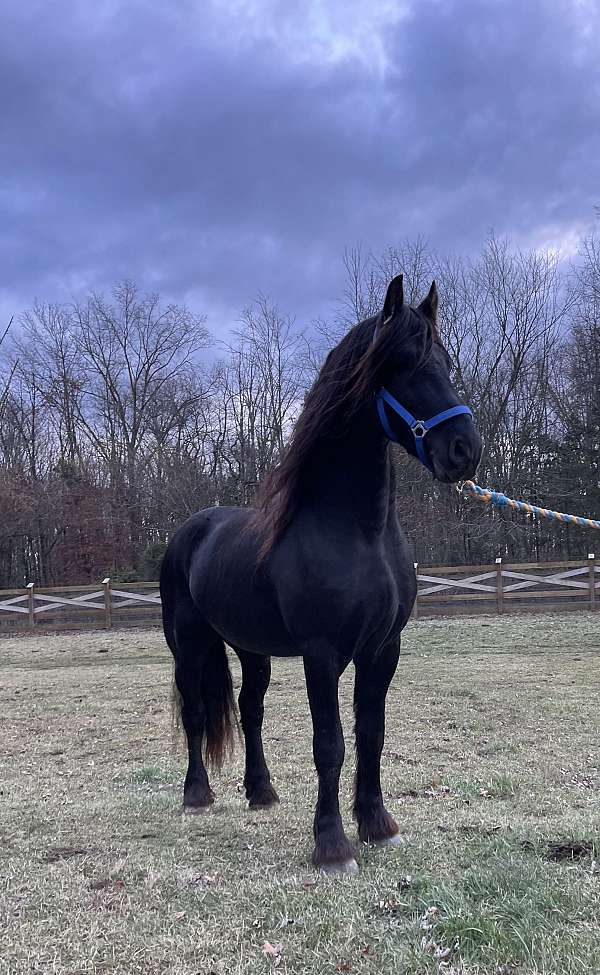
point(350, 474)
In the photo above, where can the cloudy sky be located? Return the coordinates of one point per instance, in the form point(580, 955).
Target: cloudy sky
point(210, 149)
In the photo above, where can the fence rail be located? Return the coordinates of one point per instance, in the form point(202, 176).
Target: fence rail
point(442, 591)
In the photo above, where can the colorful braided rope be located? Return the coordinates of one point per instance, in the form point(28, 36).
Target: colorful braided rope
point(495, 497)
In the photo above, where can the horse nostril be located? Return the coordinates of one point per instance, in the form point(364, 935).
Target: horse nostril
point(459, 453)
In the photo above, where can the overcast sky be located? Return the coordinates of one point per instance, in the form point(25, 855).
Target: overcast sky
point(209, 150)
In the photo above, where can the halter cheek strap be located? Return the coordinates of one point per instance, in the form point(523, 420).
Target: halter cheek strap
point(419, 428)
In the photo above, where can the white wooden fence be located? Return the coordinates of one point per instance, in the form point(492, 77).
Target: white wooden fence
point(507, 587)
point(442, 591)
point(80, 607)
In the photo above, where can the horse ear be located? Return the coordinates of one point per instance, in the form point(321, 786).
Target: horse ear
point(394, 298)
point(429, 305)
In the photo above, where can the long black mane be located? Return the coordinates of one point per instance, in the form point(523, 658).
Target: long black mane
point(350, 374)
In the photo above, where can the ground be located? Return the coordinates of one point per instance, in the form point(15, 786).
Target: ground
point(491, 768)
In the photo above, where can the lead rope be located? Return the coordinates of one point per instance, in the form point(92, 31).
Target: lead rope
point(499, 499)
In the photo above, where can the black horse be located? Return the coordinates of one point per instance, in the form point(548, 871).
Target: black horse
point(318, 568)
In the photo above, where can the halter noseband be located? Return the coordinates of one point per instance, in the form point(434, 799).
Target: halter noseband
point(418, 428)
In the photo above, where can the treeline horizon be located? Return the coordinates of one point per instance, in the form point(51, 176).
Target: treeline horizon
point(118, 421)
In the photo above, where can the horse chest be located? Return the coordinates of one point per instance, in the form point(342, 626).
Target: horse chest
point(353, 595)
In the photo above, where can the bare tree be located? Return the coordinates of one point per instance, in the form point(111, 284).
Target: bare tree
point(6, 381)
point(260, 386)
point(131, 349)
point(49, 344)
point(575, 387)
point(99, 390)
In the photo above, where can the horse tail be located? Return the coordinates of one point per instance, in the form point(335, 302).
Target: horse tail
point(221, 720)
point(202, 684)
point(176, 698)
point(176, 706)
point(221, 724)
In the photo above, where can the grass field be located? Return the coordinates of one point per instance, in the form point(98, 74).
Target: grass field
point(491, 767)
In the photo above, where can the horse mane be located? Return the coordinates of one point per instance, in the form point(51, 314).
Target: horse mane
point(349, 375)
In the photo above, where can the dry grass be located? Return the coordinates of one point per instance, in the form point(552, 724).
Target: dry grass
point(491, 767)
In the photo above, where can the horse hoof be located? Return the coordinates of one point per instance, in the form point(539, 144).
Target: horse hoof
point(195, 810)
point(263, 804)
point(264, 799)
point(338, 869)
point(395, 840)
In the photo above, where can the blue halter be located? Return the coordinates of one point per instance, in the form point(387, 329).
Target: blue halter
point(419, 428)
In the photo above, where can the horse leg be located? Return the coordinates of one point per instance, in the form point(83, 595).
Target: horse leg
point(190, 661)
point(256, 674)
point(373, 678)
point(333, 851)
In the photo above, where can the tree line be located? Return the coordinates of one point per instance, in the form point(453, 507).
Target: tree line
point(121, 416)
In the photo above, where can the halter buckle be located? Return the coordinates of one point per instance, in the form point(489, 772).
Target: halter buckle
point(419, 429)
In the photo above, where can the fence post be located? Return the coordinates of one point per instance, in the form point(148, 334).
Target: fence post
point(107, 603)
point(31, 604)
point(415, 612)
point(499, 587)
point(592, 579)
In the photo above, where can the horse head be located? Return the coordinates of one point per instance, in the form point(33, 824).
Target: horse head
point(417, 401)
